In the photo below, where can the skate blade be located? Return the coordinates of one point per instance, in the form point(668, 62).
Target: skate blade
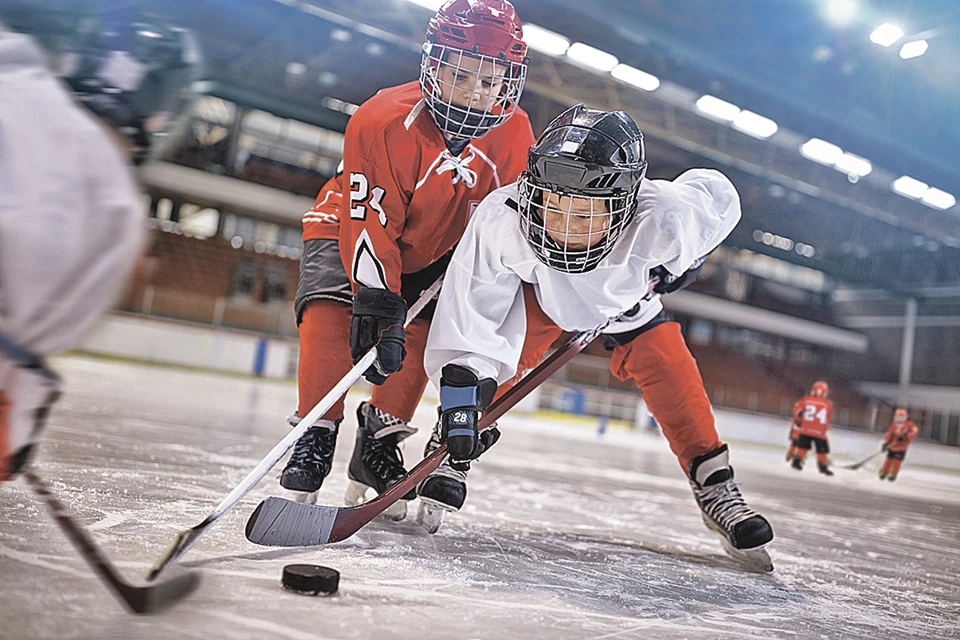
point(756, 559)
point(357, 494)
point(303, 497)
point(431, 514)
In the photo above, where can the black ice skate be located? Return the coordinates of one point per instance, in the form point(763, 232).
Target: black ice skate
point(744, 532)
point(824, 469)
point(376, 462)
point(797, 464)
point(311, 460)
point(443, 491)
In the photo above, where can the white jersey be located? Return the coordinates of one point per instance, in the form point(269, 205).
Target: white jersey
point(71, 220)
point(480, 320)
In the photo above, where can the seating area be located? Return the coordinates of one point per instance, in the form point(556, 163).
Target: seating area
point(210, 281)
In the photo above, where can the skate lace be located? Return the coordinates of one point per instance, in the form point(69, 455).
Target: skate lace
point(315, 447)
point(382, 456)
point(724, 503)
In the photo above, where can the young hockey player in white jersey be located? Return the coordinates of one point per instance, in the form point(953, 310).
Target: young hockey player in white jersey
point(580, 239)
point(72, 222)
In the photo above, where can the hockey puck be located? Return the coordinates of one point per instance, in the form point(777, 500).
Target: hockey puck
point(311, 579)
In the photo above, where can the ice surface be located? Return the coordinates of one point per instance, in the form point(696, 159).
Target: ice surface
point(564, 535)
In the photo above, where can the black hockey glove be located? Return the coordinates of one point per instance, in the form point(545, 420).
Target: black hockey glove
point(463, 397)
point(378, 317)
point(885, 447)
point(901, 438)
point(664, 282)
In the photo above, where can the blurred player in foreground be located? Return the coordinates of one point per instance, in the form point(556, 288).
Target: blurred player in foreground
point(418, 158)
point(576, 243)
point(72, 223)
point(812, 416)
point(899, 435)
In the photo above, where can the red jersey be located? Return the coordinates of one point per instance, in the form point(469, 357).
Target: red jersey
point(899, 435)
point(403, 200)
point(812, 416)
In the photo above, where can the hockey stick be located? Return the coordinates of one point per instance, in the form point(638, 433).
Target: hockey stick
point(145, 599)
point(277, 522)
point(857, 465)
point(186, 539)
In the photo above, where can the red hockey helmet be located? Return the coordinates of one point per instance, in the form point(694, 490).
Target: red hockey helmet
point(820, 389)
point(473, 66)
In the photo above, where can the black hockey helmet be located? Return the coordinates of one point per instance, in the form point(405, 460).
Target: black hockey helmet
point(579, 190)
point(133, 71)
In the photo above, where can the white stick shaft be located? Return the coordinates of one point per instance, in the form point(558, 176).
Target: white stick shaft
point(305, 423)
point(321, 408)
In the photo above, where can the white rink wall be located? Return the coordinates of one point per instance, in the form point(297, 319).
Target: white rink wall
point(189, 345)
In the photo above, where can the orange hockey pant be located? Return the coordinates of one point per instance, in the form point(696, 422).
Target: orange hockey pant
point(659, 363)
point(325, 359)
point(891, 466)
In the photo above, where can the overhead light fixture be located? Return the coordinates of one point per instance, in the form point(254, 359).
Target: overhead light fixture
point(938, 199)
point(821, 151)
point(914, 49)
point(886, 34)
point(340, 35)
point(635, 77)
point(841, 12)
point(851, 164)
point(910, 187)
point(716, 108)
point(544, 41)
point(296, 68)
point(754, 124)
point(587, 56)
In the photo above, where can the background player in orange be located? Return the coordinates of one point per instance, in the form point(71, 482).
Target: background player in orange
point(418, 158)
point(901, 432)
point(811, 417)
point(794, 434)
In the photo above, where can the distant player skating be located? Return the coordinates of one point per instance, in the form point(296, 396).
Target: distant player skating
point(900, 434)
point(812, 416)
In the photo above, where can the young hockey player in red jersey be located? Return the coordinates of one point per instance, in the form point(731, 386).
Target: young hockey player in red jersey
point(575, 244)
point(811, 417)
point(901, 432)
point(418, 159)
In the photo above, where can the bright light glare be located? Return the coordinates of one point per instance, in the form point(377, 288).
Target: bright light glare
point(849, 163)
point(635, 77)
point(841, 12)
point(544, 41)
point(588, 56)
point(910, 187)
point(914, 49)
point(939, 199)
point(886, 34)
point(821, 151)
point(433, 5)
point(754, 124)
point(713, 106)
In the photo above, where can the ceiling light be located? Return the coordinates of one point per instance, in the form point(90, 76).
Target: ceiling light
point(939, 199)
point(717, 108)
point(754, 124)
point(886, 34)
point(914, 49)
point(910, 187)
point(821, 151)
point(841, 12)
point(849, 163)
point(544, 41)
point(588, 56)
point(635, 77)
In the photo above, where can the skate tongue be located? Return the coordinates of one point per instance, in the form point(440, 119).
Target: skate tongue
point(721, 475)
point(712, 468)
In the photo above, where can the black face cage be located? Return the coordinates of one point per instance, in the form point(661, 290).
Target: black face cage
point(568, 239)
point(486, 111)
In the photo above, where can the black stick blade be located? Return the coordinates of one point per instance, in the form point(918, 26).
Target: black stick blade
point(277, 522)
point(177, 548)
point(158, 596)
